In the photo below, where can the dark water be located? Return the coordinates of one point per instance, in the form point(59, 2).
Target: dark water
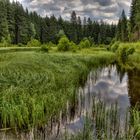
point(108, 85)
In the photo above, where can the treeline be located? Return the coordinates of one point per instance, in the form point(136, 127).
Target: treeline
point(18, 25)
point(129, 29)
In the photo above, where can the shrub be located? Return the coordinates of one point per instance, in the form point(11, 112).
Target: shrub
point(115, 46)
point(5, 42)
point(124, 52)
point(73, 46)
point(33, 43)
point(64, 44)
point(20, 45)
point(50, 45)
point(45, 48)
point(85, 44)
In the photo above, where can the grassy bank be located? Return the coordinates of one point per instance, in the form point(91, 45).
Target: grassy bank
point(34, 86)
point(133, 61)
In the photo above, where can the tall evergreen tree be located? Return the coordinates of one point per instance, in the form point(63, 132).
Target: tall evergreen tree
point(89, 27)
point(137, 18)
point(79, 29)
point(4, 31)
point(73, 34)
point(122, 32)
point(133, 13)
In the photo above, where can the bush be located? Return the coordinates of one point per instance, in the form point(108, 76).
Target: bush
point(85, 44)
point(45, 48)
point(115, 46)
point(124, 52)
point(73, 46)
point(20, 45)
point(50, 45)
point(64, 44)
point(5, 42)
point(33, 43)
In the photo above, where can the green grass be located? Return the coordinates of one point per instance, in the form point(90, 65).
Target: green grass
point(35, 86)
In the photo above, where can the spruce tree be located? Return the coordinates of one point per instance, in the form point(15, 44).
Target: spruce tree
point(132, 16)
point(4, 31)
point(137, 18)
point(122, 32)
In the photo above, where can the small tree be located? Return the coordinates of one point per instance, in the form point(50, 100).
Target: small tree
point(64, 44)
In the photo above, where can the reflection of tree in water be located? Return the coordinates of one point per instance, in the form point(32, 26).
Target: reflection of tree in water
point(121, 72)
point(134, 86)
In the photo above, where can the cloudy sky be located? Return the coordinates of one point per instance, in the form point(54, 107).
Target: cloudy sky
point(107, 10)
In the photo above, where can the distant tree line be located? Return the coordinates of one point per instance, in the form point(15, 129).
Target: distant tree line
point(18, 25)
point(129, 29)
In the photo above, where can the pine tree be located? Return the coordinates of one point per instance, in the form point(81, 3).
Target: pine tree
point(73, 34)
point(4, 31)
point(89, 27)
point(79, 29)
point(122, 32)
point(137, 18)
point(132, 16)
point(85, 27)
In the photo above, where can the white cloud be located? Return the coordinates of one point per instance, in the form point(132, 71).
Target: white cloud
point(108, 10)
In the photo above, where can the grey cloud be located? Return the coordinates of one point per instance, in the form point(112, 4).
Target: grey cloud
point(108, 10)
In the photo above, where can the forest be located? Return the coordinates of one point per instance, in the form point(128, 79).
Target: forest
point(76, 79)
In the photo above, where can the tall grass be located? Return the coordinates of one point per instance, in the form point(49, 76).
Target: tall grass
point(106, 124)
point(34, 87)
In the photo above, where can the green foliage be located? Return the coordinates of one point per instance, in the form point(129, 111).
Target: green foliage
point(122, 30)
point(123, 53)
point(73, 46)
point(45, 47)
point(50, 44)
point(115, 46)
point(61, 34)
point(4, 32)
point(135, 121)
point(21, 45)
point(33, 43)
point(85, 43)
point(64, 44)
point(5, 42)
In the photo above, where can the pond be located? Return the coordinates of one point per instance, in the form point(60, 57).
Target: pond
point(105, 89)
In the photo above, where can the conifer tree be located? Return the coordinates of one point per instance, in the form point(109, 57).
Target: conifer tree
point(122, 32)
point(4, 31)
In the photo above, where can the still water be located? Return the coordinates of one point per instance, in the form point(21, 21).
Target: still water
point(107, 85)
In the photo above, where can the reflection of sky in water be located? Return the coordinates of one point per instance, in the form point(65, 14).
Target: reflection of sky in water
point(104, 84)
point(109, 87)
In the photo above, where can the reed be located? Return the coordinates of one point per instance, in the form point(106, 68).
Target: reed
point(105, 124)
point(36, 86)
